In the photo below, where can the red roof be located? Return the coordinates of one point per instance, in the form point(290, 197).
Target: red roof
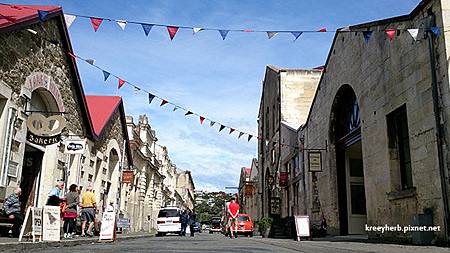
point(13, 14)
point(101, 109)
point(248, 171)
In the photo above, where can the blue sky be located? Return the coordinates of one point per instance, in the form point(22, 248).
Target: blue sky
point(219, 79)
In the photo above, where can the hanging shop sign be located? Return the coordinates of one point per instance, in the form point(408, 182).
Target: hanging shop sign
point(283, 178)
point(75, 146)
point(127, 176)
point(315, 161)
point(275, 205)
point(45, 130)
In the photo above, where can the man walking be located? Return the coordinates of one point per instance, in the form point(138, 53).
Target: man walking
point(88, 205)
point(11, 207)
point(192, 220)
point(184, 221)
point(233, 211)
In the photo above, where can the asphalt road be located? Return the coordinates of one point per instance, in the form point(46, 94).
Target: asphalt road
point(218, 243)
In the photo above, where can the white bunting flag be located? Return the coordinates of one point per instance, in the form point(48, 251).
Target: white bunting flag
point(122, 23)
point(196, 30)
point(414, 33)
point(69, 19)
point(271, 34)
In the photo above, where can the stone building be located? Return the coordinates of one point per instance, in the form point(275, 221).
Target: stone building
point(185, 190)
point(381, 111)
point(144, 194)
point(285, 101)
point(248, 190)
point(38, 82)
point(169, 173)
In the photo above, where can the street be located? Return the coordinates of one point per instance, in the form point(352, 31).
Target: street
point(218, 243)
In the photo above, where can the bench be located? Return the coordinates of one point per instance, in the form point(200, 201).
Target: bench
point(6, 223)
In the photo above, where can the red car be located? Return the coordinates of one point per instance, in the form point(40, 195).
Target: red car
point(244, 225)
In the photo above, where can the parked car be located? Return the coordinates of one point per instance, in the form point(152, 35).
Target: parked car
point(168, 221)
point(244, 225)
point(216, 225)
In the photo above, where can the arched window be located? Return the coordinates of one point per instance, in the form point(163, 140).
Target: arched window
point(347, 117)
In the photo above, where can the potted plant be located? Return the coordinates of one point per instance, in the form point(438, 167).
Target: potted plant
point(264, 226)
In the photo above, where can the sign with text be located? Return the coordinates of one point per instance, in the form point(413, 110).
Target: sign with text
point(32, 225)
point(302, 226)
point(275, 205)
point(75, 146)
point(127, 176)
point(107, 230)
point(51, 223)
point(283, 178)
point(45, 130)
point(315, 161)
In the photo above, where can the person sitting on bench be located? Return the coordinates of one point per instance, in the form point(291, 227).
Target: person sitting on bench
point(11, 207)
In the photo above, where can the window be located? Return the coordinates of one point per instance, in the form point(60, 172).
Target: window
point(398, 138)
point(90, 177)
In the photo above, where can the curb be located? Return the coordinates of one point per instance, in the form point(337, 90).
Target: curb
point(25, 246)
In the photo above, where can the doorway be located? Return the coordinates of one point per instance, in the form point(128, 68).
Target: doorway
point(29, 182)
point(355, 191)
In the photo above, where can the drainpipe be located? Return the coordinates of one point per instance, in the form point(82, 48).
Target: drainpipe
point(439, 127)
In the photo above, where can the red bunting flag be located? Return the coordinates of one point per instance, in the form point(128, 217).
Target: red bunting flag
point(172, 31)
point(121, 83)
point(202, 119)
point(96, 23)
point(390, 33)
point(163, 102)
point(72, 55)
point(248, 31)
point(323, 30)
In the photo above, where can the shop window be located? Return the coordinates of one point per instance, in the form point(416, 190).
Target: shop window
point(90, 177)
point(398, 143)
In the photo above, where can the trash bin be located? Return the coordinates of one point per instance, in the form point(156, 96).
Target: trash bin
point(422, 237)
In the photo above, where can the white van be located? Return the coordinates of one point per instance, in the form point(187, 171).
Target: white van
point(168, 221)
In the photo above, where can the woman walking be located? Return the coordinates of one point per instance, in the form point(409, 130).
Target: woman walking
point(70, 214)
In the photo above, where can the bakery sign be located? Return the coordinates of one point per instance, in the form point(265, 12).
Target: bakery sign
point(44, 130)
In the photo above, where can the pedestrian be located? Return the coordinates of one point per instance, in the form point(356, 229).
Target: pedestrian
point(184, 222)
point(88, 205)
point(11, 207)
point(233, 211)
point(70, 212)
point(192, 220)
point(54, 197)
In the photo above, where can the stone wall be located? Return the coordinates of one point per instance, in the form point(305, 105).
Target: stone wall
point(384, 75)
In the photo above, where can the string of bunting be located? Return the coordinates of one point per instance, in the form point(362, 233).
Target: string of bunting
point(163, 102)
point(173, 29)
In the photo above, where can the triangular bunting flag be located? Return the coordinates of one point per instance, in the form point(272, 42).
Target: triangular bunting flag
point(90, 61)
point(323, 30)
point(240, 135)
point(212, 123)
point(248, 31)
point(296, 35)
point(188, 113)
point(150, 97)
point(172, 31)
point(249, 137)
point(122, 23)
point(163, 102)
point(72, 55)
point(105, 75)
point(136, 90)
point(436, 30)
point(367, 35)
point(69, 19)
point(175, 108)
point(121, 83)
point(232, 130)
point(147, 28)
point(413, 33)
point(223, 33)
point(196, 30)
point(42, 15)
point(271, 34)
point(390, 33)
point(201, 120)
point(96, 22)
point(221, 127)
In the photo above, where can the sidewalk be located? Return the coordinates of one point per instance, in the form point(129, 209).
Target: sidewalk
point(7, 243)
point(348, 246)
